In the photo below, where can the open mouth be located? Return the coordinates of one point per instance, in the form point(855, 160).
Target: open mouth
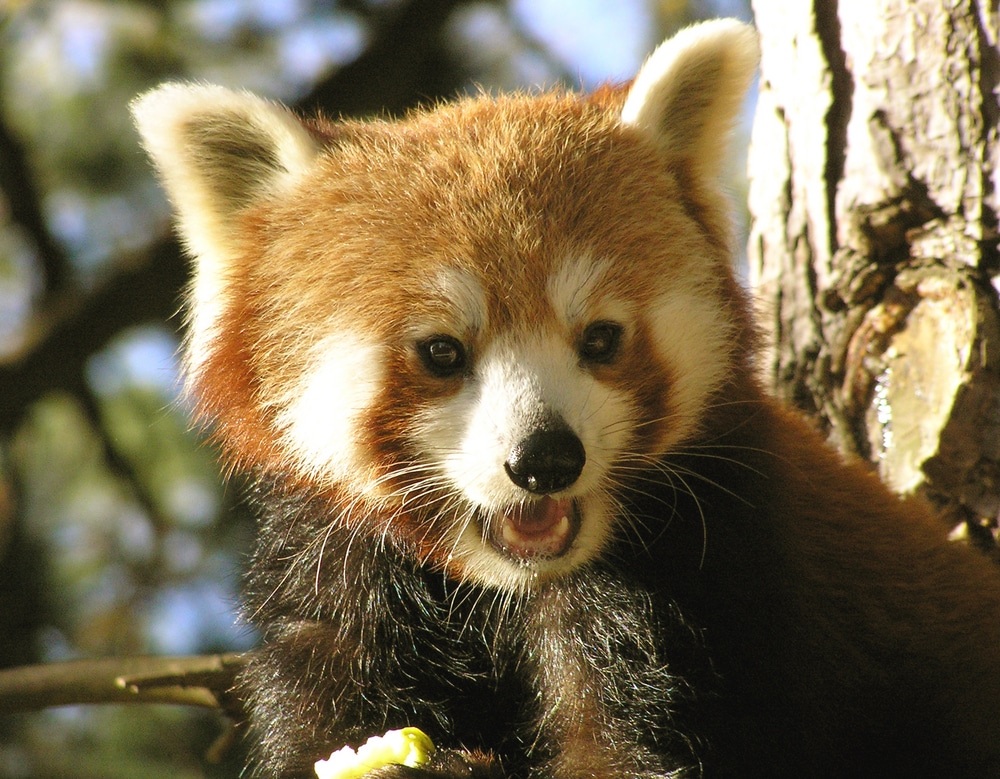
point(535, 529)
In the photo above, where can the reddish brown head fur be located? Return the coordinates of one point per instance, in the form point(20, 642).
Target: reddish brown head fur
point(508, 231)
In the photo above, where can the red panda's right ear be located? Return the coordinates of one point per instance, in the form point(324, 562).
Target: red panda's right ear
point(217, 152)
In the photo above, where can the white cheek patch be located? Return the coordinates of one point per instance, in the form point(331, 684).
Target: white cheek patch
point(319, 416)
point(694, 337)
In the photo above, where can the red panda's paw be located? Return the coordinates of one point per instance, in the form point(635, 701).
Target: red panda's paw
point(446, 764)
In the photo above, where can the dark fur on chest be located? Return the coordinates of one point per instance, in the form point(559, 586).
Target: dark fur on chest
point(359, 638)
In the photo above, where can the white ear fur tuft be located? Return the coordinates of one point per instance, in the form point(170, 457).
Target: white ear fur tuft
point(689, 91)
point(217, 152)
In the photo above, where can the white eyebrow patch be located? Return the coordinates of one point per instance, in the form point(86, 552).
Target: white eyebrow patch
point(572, 287)
point(466, 298)
point(579, 294)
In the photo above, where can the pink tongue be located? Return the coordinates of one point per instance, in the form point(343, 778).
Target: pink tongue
point(539, 528)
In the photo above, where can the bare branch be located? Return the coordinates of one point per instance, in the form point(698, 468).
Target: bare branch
point(204, 680)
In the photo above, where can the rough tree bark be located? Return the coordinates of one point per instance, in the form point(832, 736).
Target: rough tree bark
point(874, 202)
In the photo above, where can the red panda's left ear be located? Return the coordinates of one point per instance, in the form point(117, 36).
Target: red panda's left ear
point(687, 94)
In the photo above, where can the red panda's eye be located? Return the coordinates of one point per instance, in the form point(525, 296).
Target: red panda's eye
point(600, 342)
point(442, 354)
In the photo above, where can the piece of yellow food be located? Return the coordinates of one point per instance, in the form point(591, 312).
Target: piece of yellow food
point(409, 746)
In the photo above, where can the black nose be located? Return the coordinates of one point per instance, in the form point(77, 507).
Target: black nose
point(546, 461)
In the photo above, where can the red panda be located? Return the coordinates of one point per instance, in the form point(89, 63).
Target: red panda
point(493, 378)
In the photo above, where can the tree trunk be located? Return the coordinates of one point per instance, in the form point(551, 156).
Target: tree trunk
point(873, 247)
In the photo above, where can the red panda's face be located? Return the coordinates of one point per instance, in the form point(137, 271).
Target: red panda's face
point(486, 333)
point(475, 324)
